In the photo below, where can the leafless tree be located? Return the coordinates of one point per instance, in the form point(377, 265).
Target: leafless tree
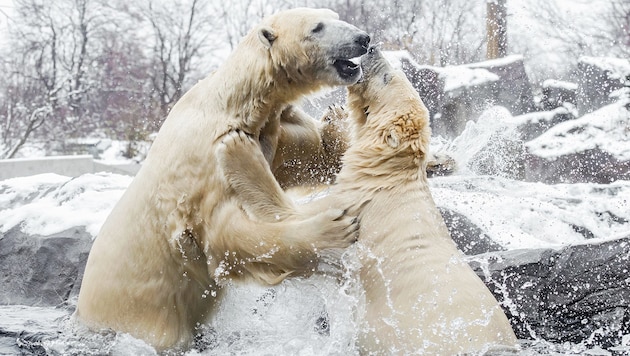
point(437, 32)
point(180, 32)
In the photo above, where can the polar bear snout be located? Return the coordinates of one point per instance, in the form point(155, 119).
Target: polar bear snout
point(345, 55)
point(373, 61)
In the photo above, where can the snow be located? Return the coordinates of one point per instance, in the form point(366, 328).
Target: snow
point(553, 83)
point(456, 77)
point(537, 117)
point(498, 62)
point(515, 214)
point(619, 68)
point(606, 129)
point(48, 203)
point(395, 58)
point(521, 215)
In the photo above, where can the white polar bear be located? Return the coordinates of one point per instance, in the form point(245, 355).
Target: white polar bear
point(421, 295)
point(155, 268)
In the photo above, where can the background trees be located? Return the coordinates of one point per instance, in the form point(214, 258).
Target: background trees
point(97, 68)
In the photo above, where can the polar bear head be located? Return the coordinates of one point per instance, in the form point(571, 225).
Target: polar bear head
point(313, 46)
point(388, 116)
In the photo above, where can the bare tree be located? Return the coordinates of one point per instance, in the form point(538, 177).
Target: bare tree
point(237, 17)
point(180, 32)
point(437, 32)
point(31, 80)
point(617, 33)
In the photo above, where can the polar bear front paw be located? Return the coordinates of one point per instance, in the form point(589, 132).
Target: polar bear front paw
point(237, 153)
point(235, 141)
point(337, 229)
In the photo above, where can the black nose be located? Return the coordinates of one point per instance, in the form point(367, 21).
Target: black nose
point(363, 40)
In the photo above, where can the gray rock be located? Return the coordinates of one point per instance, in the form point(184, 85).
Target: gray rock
point(557, 93)
point(462, 105)
point(427, 82)
point(510, 88)
point(42, 270)
point(513, 90)
point(536, 123)
point(597, 78)
point(580, 293)
point(589, 166)
point(469, 238)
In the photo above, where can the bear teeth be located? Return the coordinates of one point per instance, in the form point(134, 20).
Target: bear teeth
point(356, 61)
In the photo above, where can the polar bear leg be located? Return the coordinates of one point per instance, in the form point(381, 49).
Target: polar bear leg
point(269, 251)
point(257, 191)
point(248, 174)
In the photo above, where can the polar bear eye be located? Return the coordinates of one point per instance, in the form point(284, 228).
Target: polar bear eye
point(318, 28)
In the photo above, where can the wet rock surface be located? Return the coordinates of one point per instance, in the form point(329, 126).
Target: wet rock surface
point(580, 293)
point(589, 166)
point(42, 270)
point(469, 238)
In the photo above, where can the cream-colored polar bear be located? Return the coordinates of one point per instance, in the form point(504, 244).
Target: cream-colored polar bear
point(421, 295)
point(156, 267)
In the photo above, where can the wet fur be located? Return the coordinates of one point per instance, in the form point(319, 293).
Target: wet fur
point(181, 229)
point(421, 295)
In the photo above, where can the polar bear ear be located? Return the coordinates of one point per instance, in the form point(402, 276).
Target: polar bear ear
point(392, 139)
point(267, 35)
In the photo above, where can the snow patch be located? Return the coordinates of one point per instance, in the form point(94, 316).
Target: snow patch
point(48, 203)
point(456, 77)
point(607, 129)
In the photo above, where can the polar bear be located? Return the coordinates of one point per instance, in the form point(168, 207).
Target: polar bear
point(157, 264)
point(421, 295)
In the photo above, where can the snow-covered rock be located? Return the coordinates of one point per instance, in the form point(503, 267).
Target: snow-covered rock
point(47, 224)
point(513, 89)
point(534, 124)
point(556, 93)
point(592, 148)
point(606, 129)
point(598, 78)
point(472, 88)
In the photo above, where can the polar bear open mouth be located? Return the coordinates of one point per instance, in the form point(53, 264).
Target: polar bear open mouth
point(347, 68)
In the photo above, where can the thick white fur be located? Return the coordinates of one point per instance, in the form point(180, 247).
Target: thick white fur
point(179, 230)
point(421, 296)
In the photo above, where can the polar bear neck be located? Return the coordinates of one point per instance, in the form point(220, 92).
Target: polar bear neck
point(257, 91)
point(368, 169)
